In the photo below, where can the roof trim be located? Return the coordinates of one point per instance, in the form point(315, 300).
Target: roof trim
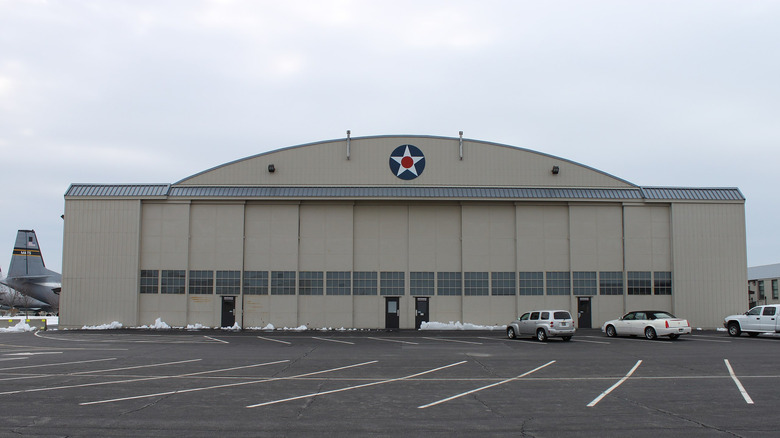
point(403, 192)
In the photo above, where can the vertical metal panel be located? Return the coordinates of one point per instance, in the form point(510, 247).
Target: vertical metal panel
point(710, 262)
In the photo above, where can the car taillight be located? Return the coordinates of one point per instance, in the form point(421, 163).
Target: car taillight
point(552, 323)
point(667, 323)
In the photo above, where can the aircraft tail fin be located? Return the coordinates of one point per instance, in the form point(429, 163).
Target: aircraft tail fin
point(26, 259)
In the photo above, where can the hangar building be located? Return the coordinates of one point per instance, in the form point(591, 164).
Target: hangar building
point(390, 231)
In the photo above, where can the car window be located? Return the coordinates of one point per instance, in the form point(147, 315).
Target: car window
point(640, 316)
point(545, 315)
point(661, 315)
point(524, 317)
point(534, 316)
point(755, 311)
point(769, 310)
point(629, 317)
point(561, 315)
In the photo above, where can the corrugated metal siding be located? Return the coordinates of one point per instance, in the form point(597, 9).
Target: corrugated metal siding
point(117, 190)
point(698, 194)
point(161, 190)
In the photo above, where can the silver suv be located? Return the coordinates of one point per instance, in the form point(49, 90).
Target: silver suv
point(542, 324)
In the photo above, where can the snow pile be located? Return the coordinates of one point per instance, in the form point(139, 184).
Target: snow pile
point(18, 328)
point(197, 326)
point(111, 326)
point(235, 328)
point(302, 328)
point(158, 324)
point(458, 326)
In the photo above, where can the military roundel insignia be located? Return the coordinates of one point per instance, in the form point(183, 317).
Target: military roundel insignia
point(407, 162)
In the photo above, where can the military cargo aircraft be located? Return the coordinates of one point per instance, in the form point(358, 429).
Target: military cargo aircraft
point(40, 287)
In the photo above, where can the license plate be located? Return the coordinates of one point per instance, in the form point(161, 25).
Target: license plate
point(680, 330)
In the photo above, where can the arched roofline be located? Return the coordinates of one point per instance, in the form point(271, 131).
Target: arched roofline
point(437, 137)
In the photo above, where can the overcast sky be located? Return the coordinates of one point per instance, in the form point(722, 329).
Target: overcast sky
point(660, 93)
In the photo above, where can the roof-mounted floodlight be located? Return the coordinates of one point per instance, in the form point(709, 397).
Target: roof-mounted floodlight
point(460, 133)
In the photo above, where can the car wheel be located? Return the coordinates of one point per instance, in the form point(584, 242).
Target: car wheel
point(566, 338)
point(650, 333)
point(510, 333)
point(611, 332)
point(752, 334)
point(734, 329)
point(541, 335)
point(674, 336)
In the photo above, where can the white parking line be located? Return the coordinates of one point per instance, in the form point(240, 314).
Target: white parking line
point(349, 388)
point(228, 385)
point(485, 387)
point(135, 367)
point(215, 339)
point(613, 387)
point(592, 342)
point(393, 340)
point(333, 340)
point(741, 388)
point(55, 364)
point(699, 338)
point(453, 340)
point(274, 340)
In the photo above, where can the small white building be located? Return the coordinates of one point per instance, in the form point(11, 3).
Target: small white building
point(389, 231)
point(762, 284)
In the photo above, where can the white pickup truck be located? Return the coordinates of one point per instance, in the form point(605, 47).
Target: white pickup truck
point(760, 319)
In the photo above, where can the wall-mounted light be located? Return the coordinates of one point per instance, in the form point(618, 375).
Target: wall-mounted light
point(271, 168)
point(555, 170)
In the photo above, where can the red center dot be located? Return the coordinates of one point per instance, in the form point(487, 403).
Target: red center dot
point(407, 162)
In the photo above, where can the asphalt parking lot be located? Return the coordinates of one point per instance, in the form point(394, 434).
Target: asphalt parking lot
point(377, 383)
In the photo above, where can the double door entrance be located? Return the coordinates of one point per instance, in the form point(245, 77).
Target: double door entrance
point(393, 311)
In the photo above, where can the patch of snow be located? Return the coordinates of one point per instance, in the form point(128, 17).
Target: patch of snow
point(235, 327)
point(111, 326)
point(21, 327)
point(721, 329)
point(197, 326)
point(457, 325)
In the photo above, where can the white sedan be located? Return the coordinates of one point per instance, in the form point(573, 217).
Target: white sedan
point(647, 323)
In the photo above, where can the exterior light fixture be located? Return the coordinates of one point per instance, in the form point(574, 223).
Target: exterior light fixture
point(555, 170)
point(271, 168)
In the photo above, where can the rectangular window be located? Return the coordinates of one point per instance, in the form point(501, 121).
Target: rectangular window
point(639, 283)
point(282, 282)
point(448, 283)
point(201, 282)
point(503, 283)
point(364, 283)
point(310, 283)
point(558, 283)
point(584, 283)
point(421, 283)
point(228, 282)
point(761, 293)
point(255, 282)
point(531, 283)
point(774, 290)
point(611, 283)
point(173, 281)
point(476, 283)
point(391, 283)
point(149, 281)
point(662, 283)
point(338, 283)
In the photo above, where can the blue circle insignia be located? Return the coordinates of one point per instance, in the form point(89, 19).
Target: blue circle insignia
point(407, 162)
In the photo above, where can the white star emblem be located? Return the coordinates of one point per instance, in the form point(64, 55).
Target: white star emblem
point(407, 162)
